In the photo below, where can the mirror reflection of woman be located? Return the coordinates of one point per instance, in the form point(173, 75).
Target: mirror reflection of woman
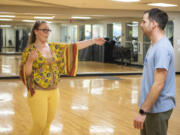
point(41, 65)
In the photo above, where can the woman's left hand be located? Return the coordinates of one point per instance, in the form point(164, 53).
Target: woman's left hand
point(99, 41)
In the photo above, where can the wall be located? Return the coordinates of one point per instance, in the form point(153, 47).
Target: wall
point(176, 20)
point(55, 33)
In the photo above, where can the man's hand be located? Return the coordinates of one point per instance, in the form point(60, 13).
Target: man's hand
point(139, 121)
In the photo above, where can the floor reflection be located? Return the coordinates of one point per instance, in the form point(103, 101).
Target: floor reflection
point(5, 129)
point(101, 129)
point(9, 66)
point(56, 128)
point(5, 97)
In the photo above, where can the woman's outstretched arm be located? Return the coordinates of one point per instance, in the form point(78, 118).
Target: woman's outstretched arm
point(87, 43)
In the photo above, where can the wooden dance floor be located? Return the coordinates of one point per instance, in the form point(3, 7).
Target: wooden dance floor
point(103, 105)
point(88, 106)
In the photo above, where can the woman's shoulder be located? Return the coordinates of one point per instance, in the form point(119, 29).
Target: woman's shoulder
point(57, 45)
point(28, 48)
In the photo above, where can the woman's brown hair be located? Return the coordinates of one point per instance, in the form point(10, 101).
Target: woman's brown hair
point(32, 37)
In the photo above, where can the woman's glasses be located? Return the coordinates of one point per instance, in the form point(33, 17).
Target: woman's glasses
point(45, 30)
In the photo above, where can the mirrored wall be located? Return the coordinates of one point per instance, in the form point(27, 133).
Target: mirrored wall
point(124, 51)
point(13, 38)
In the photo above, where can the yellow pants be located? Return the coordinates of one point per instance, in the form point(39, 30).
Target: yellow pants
point(43, 105)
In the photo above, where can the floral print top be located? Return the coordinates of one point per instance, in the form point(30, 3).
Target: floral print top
point(45, 72)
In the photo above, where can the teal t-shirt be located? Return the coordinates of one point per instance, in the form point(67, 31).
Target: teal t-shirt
point(159, 55)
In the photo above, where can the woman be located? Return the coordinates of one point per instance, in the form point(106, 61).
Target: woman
point(42, 63)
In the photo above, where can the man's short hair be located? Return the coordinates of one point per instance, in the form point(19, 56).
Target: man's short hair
point(159, 16)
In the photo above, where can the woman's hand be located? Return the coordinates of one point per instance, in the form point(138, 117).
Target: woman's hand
point(99, 41)
point(87, 43)
point(32, 56)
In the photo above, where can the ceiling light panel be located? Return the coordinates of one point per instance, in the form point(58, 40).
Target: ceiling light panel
point(29, 21)
point(78, 17)
point(126, 0)
point(4, 19)
point(5, 26)
point(7, 16)
point(43, 17)
point(162, 5)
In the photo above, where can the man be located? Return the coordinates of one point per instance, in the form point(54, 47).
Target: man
point(158, 86)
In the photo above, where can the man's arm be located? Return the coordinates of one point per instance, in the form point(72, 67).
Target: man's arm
point(159, 80)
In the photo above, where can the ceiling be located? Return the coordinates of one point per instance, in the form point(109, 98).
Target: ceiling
point(63, 10)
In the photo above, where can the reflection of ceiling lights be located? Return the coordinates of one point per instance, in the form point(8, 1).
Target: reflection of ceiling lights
point(6, 128)
point(29, 21)
point(56, 128)
point(126, 0)
point(132, 25)
point(101, 129)
point(79, 107)
point(134, 22)
point(5, 26)
point(41, 17)
point(134, 96)
point(77, 17)
point(2, 19)
point(7, 12)
point(5, 97)
point(162, 5)
point(8, 16)
point(6, 112)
